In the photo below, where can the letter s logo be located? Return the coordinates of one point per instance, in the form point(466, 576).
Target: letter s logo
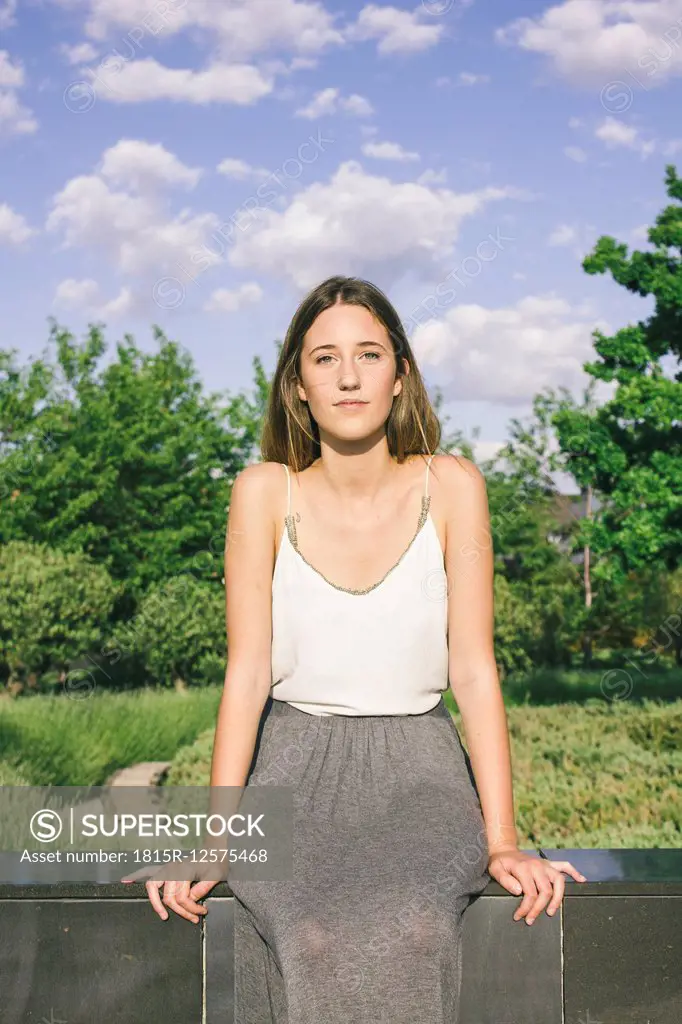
point(46, 826)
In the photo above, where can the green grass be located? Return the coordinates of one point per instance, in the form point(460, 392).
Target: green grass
point(10, 776)
point(588, 771)
point(59, 741)
point(632, 681)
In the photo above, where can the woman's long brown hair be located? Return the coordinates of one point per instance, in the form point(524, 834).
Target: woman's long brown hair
point(291, 435)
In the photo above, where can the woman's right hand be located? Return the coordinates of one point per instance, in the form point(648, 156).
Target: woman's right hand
point(181, 897)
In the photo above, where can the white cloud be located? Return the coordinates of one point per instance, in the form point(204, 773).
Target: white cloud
point(430, 177)
point(239, 30)
point(85, 295)
point(224, 300)
point(77, 293)
point(358, 222)
point(144, 80)
point(389, 151)
point(601, 40)
point(138, 164)
point(135, 231)
point(80, 53)
point(328, 101)
point(485, 450)
point(397, 31)
point(575, 122)
point(15, 119)
point(615, 133)
point(303, 63)
point(7, 11)
point(564, 234)
point(357, 105)
point(233, 167)
point(11, 75)
point(579, 237)
point(575, 153)
point(468, 78)
point(237, 33)
point(123, 303)
point(13, 227)
point(507, 354)
point(641, 233)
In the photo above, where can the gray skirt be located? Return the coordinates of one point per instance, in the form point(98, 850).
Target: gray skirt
point(389, 847)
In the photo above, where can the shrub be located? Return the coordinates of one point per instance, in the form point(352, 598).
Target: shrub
point(192, 764)
point(54, 606)
point(599, 774)
point(516, 628)
point(178, 632)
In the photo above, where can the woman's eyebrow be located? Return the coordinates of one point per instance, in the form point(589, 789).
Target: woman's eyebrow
point(360, 344)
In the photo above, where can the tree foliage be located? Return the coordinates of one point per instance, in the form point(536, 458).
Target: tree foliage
point(630, 449)
point(130, 463)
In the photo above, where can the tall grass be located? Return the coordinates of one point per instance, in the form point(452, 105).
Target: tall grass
point(59, 741)
point(631, 680)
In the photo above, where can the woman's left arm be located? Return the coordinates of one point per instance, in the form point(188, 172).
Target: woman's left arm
point(475, 685)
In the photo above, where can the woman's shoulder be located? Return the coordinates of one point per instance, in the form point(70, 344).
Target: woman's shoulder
point(455, 466)
point(257, 481)
point(259, 471)
point(455, 474)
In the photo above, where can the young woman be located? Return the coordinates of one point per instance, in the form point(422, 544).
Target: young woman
point(359, 577)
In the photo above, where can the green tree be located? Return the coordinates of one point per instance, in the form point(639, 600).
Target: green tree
point(531, 551)
point(131, 464)
point(630, 449)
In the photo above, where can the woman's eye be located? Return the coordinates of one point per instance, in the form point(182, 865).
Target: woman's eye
point(375, 355)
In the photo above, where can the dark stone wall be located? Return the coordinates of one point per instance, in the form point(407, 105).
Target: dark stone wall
point(85, 953)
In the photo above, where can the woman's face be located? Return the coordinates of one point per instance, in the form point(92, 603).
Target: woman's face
point(347, 356)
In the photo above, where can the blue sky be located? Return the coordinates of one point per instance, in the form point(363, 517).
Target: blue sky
point(200, 164)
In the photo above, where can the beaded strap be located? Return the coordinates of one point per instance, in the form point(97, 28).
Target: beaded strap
point(291, 529)
point(290, 524)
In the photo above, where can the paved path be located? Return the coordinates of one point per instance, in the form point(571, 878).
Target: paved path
point(145, 773)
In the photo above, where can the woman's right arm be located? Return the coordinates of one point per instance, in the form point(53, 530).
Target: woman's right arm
point(249, 562)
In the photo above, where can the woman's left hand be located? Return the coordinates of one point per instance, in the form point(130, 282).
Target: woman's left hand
point(540, 880)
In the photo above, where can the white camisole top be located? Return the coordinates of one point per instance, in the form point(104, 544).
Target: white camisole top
point(379, 651)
